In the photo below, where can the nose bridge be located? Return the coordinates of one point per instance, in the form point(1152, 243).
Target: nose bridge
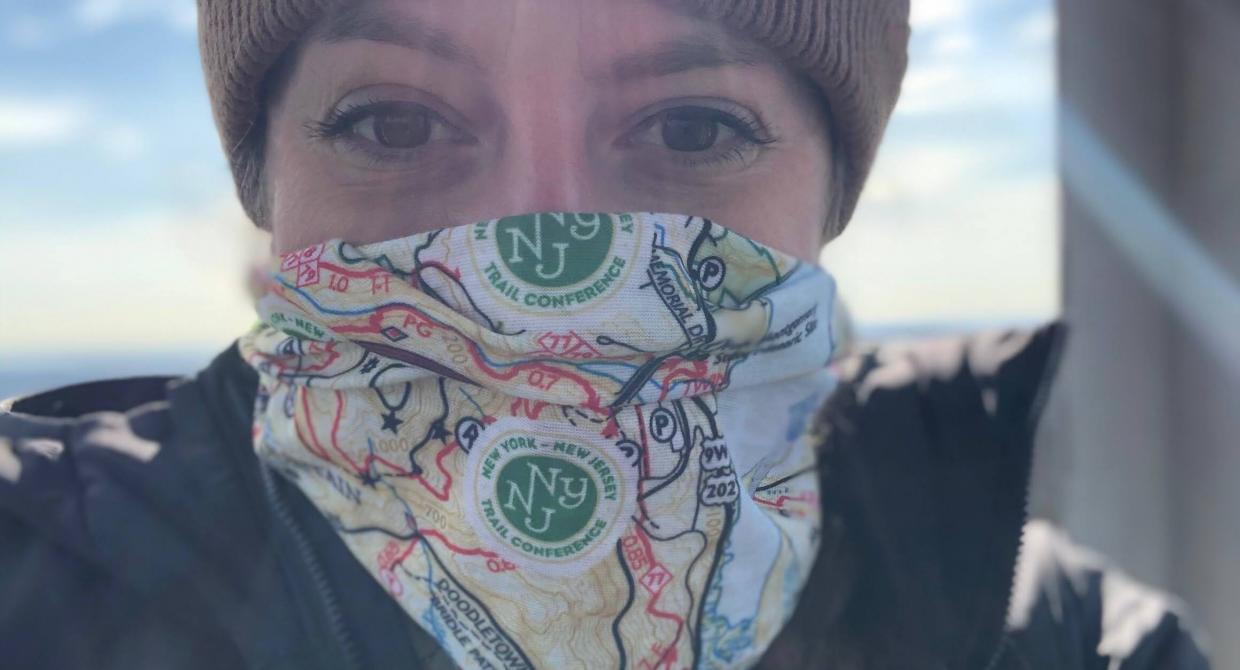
point(545, 152)
point(545, 167)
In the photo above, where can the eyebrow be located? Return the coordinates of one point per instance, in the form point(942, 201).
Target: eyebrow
point(359, 21)
point(684, 54)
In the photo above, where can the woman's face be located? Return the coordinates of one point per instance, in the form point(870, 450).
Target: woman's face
point(400, 117)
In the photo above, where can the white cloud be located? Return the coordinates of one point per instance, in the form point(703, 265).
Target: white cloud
point(939, 86)
point(956, 226)
point(34, 122)
point(927, 170)
point(969, 55)
point(928, 85)
point(1038, 29)
point(29, 122)
point(160, 280)
point(929, 14)
point(87, 16)
point(953, 43)
point(101, 14)
point(122, 142)
point(989, 256)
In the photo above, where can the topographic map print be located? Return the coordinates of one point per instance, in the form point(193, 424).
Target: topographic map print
point(557, 439)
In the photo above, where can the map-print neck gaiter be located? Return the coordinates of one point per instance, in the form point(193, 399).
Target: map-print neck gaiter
point(558, 440)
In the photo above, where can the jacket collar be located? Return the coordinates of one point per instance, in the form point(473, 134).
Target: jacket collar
point(925, 462)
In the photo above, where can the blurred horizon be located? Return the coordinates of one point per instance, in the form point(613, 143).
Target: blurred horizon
point(35, 372)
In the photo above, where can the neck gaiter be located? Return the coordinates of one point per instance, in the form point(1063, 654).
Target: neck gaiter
point(558, 440)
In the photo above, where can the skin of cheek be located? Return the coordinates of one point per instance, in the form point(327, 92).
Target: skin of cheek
point(779, 200)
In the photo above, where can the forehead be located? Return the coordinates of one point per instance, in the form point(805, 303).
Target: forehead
point(606, 40)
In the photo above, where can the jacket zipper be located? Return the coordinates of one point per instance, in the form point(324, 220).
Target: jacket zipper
point(1035, 414)
point(348, 649)
point(318, 577)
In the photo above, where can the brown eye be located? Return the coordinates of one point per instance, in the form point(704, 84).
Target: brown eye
point(696, 137)
point(690, 129)
point(395, 129)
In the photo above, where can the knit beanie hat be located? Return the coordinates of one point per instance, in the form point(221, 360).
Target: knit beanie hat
point(856, 51)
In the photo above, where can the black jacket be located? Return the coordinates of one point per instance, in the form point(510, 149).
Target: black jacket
point(142, 532)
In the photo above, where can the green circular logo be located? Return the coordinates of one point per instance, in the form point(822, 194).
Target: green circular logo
point(555, 263)
point(548, 499)
point(554, 250)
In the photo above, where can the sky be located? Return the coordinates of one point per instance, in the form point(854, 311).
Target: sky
point(119, 230)
point(959, 220)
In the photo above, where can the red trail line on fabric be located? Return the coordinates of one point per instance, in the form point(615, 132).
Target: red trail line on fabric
point(365, 466)
point(330, 349)
point(316, 351)
point(371, 458)
point(405, 554)
point(279, 361)
point(442, 496)
point(336, 428)
point(442, 268)
point(365, 274)
point(650, 606)
point(456, 549)
point(698, 372)
point(592, 396)
point(376, 319)
point(532, 407)
point(305, 405)
point(779, 502)
point(374, 322)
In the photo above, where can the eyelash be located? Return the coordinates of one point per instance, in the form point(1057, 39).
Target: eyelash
point(752, 132)
point(339, 123)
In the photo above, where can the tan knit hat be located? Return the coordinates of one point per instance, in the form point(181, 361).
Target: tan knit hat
point(855, 50)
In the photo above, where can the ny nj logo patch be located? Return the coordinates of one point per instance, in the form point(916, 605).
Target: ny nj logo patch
point(554, 250)
point(555, 262)
point(552, 503)
point(551, 499)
